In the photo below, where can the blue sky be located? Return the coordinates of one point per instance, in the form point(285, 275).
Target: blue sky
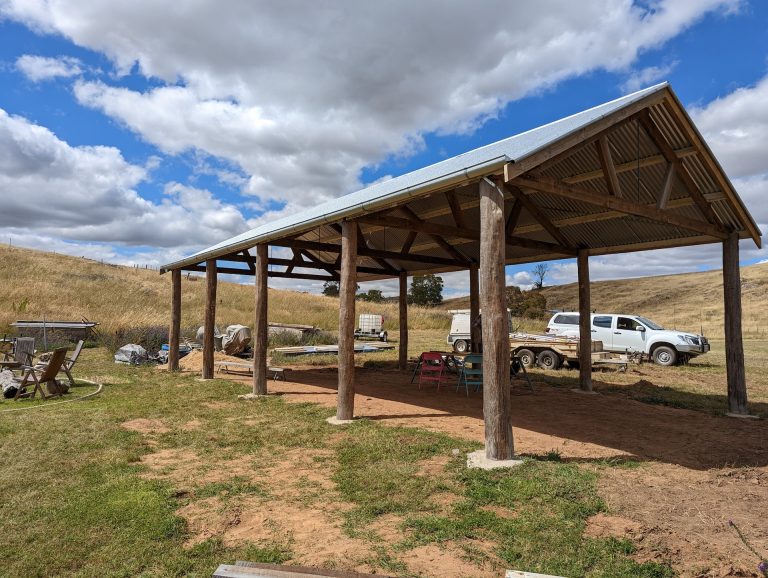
point(140, 133)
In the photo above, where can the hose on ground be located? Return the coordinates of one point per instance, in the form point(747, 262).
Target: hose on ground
point(54, 403)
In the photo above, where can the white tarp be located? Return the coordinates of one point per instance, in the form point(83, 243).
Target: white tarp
point(236, 339)
point(132, 354)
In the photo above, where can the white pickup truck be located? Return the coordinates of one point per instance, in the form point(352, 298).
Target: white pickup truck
point(633, 333)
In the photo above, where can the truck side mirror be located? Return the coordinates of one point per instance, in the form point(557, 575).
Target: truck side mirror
point(641, 328)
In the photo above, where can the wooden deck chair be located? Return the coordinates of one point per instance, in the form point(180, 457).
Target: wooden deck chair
point(431, 369)
point(23, 351)
point(42, 376)
point(471, 372)
point(70, 361)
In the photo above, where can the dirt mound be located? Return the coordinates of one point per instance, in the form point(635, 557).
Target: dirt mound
point(193, 361)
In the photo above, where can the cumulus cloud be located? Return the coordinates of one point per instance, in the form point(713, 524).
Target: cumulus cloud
point(302, 105)
point(39, 68)
point(88, 194)
point(647, 76)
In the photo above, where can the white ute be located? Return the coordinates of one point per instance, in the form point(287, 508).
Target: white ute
point(633, 333)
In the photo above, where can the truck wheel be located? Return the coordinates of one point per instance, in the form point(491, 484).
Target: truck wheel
point(527, 358)
point(384, 337)
point(548, 359)
point(460, 346)
point(664, 355)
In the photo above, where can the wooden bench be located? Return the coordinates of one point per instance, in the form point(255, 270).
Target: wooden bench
point(238, 367)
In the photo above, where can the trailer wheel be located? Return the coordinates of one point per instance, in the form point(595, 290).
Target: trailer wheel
point(527, 357)
point(460, 346)
point(548, 359)
point(384, 337)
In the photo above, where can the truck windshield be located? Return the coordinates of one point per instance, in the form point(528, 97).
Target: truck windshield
point(649, 324)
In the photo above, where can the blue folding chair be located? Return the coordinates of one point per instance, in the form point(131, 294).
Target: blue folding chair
point(471, 373)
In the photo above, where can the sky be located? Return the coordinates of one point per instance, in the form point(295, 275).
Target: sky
point(140, 132)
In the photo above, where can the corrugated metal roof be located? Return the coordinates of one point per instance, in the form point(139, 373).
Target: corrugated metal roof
point(461, 168)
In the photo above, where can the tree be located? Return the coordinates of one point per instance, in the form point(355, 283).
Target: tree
point(531, 304)
point(426, 290)
point(373, 296)
point(539, 273)
point(331, 288)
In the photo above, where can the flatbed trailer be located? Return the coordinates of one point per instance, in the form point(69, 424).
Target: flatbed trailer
point(551, 352)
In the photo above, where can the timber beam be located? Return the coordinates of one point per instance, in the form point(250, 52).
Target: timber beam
point(279, 274)
point(436, 237)
point(552, 187)
point(537, 214)
point(609, 169)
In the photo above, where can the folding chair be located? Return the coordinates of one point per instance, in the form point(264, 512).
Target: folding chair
point(47, 377)
point(431, 368)
point(471, 373)
point(23, 351)
point(69, 362)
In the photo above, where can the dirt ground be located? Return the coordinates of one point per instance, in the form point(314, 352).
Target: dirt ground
point(698, 471)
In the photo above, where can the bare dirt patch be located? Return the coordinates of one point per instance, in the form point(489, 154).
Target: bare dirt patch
point(145, 426)
point(192, 425)
point(606, 526)
point(447, 561)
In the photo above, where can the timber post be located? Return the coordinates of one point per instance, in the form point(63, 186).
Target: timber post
point(175, 329)
point(211, 275)
point(260, 323)
point(497, 402)
point(474, 307)
point(402, 360)
point(734, 346)
point(585, 323)
point(345, 402)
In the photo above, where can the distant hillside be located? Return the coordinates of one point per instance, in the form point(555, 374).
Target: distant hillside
point(34, 284)
point(686, 301)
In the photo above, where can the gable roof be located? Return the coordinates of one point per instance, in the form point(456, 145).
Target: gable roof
point(525, 151)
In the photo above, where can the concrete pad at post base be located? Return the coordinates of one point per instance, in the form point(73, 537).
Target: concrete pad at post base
point(583, 391)
point(742, 415)
point(252, 396)
point(333, 420)
point(478, 460)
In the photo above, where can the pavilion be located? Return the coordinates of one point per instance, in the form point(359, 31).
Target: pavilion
point(632, 174)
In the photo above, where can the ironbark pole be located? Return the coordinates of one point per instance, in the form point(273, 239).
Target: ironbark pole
point(734, 347)
point(585, 323)
point(175, 330)
point(497, 403)
point(210, 317)
point(260, 323)
point(402, 360)
point(345, 402)
point(474, 307)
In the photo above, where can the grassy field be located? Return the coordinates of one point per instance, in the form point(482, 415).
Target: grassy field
point(83, 498)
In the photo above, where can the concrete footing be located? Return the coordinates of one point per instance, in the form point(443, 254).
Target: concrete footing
point(742, 415)
point(333, 420)
point(250, 396)
point(577, 390)
point(478, 460)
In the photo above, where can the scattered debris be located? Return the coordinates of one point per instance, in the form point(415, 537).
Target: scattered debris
point(132, 354)
point(331, 349)
point(236, 339)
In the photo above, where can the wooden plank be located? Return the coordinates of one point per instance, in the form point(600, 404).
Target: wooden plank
point(448, 231)
point(497, 405)
point(537, 214)
point(609, 169)
point(734, 346)
point(629, 166)
point(474, 308)
point(456, 211)
point(406, 248)
point(331, 248)
point(402, 359)
point(175, 329)
point(345, 400)
point(666, 149)
point(666, 189)
point(514, 217)
point(585, 323)
point(259, 570)
point(261, 335)
point(307, 276)
point(211, 275)
point(553, 187)
point(330, 267)
point(437, 238)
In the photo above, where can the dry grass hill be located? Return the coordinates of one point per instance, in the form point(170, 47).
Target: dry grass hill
point(688, 301)
point(35, 283)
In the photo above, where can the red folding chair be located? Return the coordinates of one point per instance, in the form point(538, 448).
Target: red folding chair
point(431, 368)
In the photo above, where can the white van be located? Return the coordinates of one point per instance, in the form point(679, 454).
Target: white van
point(460, 336)
point(633, 333)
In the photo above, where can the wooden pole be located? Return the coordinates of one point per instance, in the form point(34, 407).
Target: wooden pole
point(734, 347)
point(585, 323)
point(497, 403)
point(210, 317)
point(173, 337)
point(402, 360)
point(260, 323)
point(474, 307)
point(345, 402)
